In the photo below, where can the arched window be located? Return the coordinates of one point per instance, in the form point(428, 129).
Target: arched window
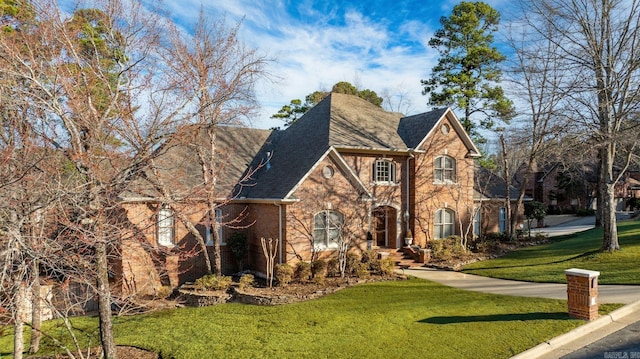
point(384, 172)
point(445, 169)
point(326, 228)
point(165, 224)
point(443, 223)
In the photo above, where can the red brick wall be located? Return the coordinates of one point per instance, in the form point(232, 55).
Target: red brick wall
point(315, 194)
point(144, 266)
point(430, 196)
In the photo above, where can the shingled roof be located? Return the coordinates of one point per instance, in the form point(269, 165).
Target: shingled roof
point(489, 185)
point(180, 170)
point(272, 163)
point(339, 121)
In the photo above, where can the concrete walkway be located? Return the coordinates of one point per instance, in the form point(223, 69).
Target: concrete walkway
point(625, 294)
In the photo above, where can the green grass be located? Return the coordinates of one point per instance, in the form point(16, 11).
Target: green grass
point(413, 318)
point(546, 263)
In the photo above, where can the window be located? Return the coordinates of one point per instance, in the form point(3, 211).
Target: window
point(445, 169)
point(384, 171)
point(208, 237)
point(477, 220)
point(326, 228)
point(503, 219)
point(443, 223)
point(165, 227)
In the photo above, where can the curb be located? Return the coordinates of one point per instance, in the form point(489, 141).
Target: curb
point(579, 332)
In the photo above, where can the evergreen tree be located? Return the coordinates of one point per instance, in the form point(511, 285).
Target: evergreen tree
point(467, 75)
point(295, 109)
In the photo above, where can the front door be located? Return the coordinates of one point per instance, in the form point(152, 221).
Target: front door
point(385, 226)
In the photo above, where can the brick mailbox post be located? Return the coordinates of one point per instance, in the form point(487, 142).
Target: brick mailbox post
point(582, 293)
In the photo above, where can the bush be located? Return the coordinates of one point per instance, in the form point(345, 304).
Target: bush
point(362, 270)
point(213, 282)
point(284, 274)
point(246, 281)
point(303, 271)
point(446, 248)
point(486, 246)
point(238, 246)
point(333, 267)
point(387, 266)
point(369, 256)
point(353, 261)
point(319, 268)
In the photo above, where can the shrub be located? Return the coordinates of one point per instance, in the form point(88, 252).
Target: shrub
point(369, 256)
point(333, 267)
point(238, 246)
point(213, 282)
point(246, 281)
point(303, 271)
point(319, 268)
point(362, 270)
point(495, 236)
point(446, 248)
point(284, 274)
point(353, 261)
point(387, 266)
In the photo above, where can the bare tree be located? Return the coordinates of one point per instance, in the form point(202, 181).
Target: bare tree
point(214, 74)
point(598, 44)
point(82, 76)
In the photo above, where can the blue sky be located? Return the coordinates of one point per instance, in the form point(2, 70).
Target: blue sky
point(381, 45)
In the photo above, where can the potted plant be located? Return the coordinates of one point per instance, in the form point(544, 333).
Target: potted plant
point(408, 237)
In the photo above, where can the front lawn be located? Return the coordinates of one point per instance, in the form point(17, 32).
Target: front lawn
point(546, 263)
point(412, 318)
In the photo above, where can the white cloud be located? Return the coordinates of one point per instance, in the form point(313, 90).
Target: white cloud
point(318, 44)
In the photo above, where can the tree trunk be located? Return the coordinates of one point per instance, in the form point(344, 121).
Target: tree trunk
point(609, 222)
point(36, 311)
point(18, 325)
point(104, 302)
point(607, 193)
point(217, 262)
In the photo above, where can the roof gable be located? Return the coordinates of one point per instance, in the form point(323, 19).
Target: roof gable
point(416, 129)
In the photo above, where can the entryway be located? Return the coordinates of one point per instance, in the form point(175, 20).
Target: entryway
point(385, 223)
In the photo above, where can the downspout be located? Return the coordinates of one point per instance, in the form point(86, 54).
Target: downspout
point(279, 232)
point(408, 189)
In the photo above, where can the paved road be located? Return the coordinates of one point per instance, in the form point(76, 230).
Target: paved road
point(624, 343)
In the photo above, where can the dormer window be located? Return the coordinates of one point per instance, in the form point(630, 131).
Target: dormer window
point(445, 169)
point(384, 172)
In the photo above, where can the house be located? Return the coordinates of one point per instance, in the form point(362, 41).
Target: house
point(491, 196)
point(561, 188)
point(344, 170)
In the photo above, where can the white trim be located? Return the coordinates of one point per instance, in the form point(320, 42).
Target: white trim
point(165, 227)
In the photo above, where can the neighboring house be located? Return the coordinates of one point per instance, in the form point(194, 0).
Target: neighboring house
point(628, 191)
point(562, 190)
point(491, 209)
point(345, 169)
